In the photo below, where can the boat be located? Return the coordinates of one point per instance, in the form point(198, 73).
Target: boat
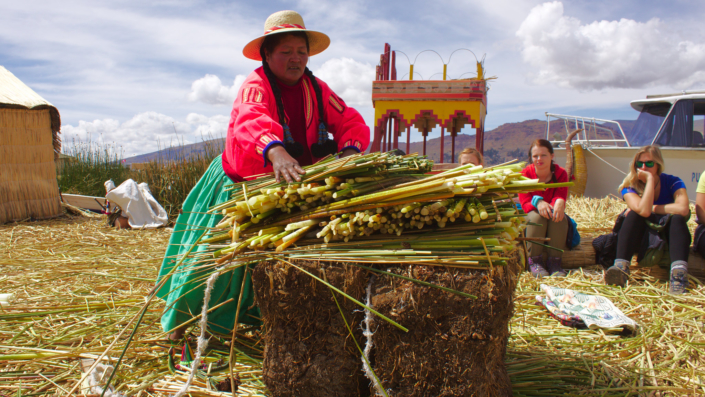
point(675, 122)
point(92, 203)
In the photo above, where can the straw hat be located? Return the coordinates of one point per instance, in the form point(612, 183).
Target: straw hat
point(283, 22)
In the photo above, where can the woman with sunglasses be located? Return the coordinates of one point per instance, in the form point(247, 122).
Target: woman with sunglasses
point(652, 195)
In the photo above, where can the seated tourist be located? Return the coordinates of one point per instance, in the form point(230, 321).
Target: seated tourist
point(546, 208)
point(699, 237)
point(470, 155)
point(651, 195)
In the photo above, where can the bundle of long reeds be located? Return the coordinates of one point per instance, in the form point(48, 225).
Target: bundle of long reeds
point(341, 203)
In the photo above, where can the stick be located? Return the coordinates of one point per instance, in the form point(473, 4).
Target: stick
point(232, 340)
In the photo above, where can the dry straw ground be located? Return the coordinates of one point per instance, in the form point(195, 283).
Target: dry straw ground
point(78, 284)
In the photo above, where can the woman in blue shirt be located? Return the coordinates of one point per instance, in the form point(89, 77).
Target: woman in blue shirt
point(652, 195)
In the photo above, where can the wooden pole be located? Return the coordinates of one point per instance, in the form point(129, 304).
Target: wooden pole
point(408, 139)
point(452, 144)
point(389, 133)
point(443, 130)
point(387, 49)
point(376, 140)
point(394, 65)
point(480, 139)
point(425, 133)
point(396, 132)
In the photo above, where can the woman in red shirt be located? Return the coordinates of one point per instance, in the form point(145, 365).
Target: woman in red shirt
point(546, 208)
point(279, 123)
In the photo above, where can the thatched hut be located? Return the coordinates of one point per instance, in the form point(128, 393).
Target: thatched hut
point(29, 146)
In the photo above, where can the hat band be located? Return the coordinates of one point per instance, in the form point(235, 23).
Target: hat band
point(284, 26)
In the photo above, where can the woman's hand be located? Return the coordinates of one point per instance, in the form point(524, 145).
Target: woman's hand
point(285, 166)
point(644, 176)
point(559, 210)
point(348, 152)
point(545, 209)
point(643, 205)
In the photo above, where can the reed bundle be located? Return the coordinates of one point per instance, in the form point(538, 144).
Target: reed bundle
point(376, 207)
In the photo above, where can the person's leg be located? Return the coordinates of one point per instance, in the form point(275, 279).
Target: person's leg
point(122, 223)
point(557, 232)
point(679, 249)
point(628, 242)
point(536, 262)
point(699, 243)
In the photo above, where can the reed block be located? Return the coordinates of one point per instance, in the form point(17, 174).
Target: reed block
point(308, 350)
point(455, 346)
point(584, 255)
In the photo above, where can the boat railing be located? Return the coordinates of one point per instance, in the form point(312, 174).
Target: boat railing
point(591, 126)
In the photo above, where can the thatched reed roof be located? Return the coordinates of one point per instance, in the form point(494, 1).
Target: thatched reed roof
point(16, 94)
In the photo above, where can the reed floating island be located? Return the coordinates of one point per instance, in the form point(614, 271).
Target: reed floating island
point(94, 280)
point(375, 277)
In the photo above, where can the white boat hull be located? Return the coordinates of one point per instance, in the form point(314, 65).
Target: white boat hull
point(603, 179)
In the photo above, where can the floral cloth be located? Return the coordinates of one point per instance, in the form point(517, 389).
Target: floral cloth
point(579, 310)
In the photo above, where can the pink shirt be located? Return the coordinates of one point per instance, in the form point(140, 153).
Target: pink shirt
point(254, 125)
point(550, 195)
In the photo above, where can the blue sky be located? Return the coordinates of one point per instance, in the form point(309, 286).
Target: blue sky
point(142, 75)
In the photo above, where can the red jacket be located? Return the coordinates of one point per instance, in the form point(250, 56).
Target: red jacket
point(254, 125)
point(551, 194)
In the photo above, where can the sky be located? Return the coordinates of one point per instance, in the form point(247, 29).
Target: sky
point(145, 75)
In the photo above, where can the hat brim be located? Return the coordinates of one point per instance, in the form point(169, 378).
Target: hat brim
point(317, 43)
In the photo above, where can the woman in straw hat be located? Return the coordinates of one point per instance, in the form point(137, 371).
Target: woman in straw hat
point(280, 122)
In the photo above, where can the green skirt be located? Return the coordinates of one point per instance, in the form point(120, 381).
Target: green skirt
point(184, 288)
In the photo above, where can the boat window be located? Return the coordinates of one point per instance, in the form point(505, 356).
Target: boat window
point(683, 127)
point(648, 124)
point(698, 123)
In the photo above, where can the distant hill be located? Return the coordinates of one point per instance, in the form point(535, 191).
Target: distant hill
point(506, 142)
point(175, 153)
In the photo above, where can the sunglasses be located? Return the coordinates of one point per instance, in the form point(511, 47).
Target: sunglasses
point(648, 164)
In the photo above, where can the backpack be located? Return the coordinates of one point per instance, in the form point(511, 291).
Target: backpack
point(572, 239)
point(605, 246)
point(654, 247)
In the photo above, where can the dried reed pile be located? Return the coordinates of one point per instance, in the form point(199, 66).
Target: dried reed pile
point(665, 358)
point(77, 284)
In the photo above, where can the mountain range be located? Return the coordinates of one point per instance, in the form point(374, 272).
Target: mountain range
point(506, 142)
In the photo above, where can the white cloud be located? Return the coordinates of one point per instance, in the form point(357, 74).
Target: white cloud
point(146, 132)
point(349, 79)
point(209, 89)
point(608, 54)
